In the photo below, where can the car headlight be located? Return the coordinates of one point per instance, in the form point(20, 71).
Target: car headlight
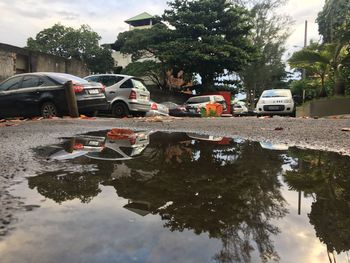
point(288, 101)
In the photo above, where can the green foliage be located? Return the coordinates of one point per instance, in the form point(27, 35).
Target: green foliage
point(334, 21)
point(326, 61)
point(67, 42)
point(205, 37)
point(149, 69)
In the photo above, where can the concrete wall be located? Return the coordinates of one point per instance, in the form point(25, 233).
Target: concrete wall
point(15, 60)
point(7, 64)
point(327, 107)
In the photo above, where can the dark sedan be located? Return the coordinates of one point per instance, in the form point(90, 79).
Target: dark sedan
point(179, 110)
point(43, 94)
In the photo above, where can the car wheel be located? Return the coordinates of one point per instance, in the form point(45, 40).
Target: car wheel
point(120, 110)
point(293, 114)
point(48, 109)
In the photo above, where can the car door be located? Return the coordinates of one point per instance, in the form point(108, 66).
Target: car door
point(110, 82)
point(8, 97)
point(29, 94)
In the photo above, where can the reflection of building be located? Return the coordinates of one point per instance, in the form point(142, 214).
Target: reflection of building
point(141, 208)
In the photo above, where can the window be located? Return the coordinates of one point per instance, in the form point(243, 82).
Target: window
point(127, 85)
point(195, 100)
point(10, 84)
point(276, 93)
point(109, 80)
point(138, 84)
point(31, 81)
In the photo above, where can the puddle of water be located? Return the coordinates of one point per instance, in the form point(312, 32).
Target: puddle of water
point(122, 196)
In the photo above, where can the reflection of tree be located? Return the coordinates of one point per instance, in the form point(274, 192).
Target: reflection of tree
point(62, 186)
point(231, 192)
point(325, 176)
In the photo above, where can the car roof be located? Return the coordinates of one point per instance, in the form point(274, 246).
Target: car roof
point(117, 75)
point(44, 74)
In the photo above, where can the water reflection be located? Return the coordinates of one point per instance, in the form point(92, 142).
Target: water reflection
point(326, 178)
point(228, 189)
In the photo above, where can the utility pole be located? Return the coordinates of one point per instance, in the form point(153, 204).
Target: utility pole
point(305, 44)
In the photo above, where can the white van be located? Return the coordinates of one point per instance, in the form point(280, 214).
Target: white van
point(276, 102)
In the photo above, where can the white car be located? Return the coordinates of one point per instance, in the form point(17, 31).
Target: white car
point(157, 109)
point(239, 108)
point(125, 94)
point(276, 102)
point(194, 104)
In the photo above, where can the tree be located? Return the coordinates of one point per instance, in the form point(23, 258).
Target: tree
point(334, 21)
point(68, 42)
point(211, 38)
point(149, 69)
point(323, 59)
point(269, 35)
point(204, 37)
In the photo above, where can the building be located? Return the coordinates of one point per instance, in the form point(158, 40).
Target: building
point(141, 21)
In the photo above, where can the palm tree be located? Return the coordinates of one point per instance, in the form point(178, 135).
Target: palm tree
point(323, 61)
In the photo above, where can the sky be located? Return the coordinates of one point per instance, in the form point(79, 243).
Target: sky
point(21, 19)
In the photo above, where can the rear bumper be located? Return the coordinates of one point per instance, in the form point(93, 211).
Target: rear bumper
point(92, 105)
point(136, 106)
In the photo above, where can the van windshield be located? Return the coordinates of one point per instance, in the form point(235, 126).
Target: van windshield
point(195, 100)
point(275, 93)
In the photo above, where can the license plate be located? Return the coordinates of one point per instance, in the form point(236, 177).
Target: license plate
point(94, 91)
point(274, 107)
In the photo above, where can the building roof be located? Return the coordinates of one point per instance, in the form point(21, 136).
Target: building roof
point(139, 17)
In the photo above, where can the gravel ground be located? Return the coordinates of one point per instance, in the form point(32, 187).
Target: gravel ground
point(17, 159)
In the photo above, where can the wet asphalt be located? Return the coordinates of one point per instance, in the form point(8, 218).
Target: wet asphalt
point(17, 158)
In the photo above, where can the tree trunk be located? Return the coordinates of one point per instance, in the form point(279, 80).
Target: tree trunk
point(207, 82)
point(323, 92)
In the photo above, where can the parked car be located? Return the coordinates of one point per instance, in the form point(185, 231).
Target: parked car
point(276, 102)
point(79, 146)
point(194, 104)
point(157, 109)
point(125, 94)
point(177, 110)
point(43, 93)
point(122, 145)
point(239, 108)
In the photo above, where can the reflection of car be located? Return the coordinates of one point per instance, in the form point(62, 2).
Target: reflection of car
point(157, 109)
point(125, 94)
point(194, 104)
point(274, 146)
point(79, 146)
point(204, 137)
point(43, 94)
point(238, 108)
point(122, 145)
point(276, 102)
point(179, 110)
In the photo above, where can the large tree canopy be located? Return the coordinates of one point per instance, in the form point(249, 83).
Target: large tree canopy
point(67, 42)
point(334, 21)
point(205, 37)
point(269, 35)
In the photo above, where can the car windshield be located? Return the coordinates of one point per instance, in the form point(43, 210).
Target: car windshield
point(195, 100)
point(275, 93)
point(63, 78)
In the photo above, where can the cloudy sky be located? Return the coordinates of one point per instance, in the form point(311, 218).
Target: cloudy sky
point(20, 19)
